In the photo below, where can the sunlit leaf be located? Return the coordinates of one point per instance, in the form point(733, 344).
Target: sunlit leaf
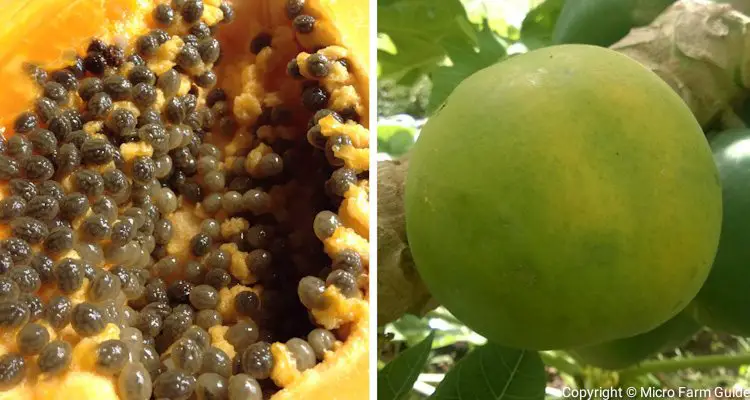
point(412, 54)
point(396, 379)
point(420, 18)
point(410, 328)
point(385, 44)
point(415, 28)
point(495, 372)
point(465, 61)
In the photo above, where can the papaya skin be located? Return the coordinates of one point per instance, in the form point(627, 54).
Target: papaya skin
point(622, 353)
point(25, 31)
point(608, 205)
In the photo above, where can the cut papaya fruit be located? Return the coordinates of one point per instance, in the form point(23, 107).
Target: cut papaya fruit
point(184, 199)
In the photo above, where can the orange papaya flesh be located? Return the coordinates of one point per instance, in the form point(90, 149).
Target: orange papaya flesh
point(256, 177)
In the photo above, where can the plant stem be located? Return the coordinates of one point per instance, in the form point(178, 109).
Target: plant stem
point(687, 362)
point(560, 363)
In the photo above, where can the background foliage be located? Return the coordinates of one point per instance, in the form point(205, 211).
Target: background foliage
point(420, 61)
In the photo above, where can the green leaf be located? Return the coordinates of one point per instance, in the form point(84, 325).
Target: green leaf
point(385, 44)
point(397, 378)
point(420, 18)
point(413, 54)
point(537, 27)
point(495, 372)
point(386, 2)
point(416, 27)
point(444, 80)
point(492, 47)
point(478, 10)
point(466, 60)
point(412, 329)
point(604, 22)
